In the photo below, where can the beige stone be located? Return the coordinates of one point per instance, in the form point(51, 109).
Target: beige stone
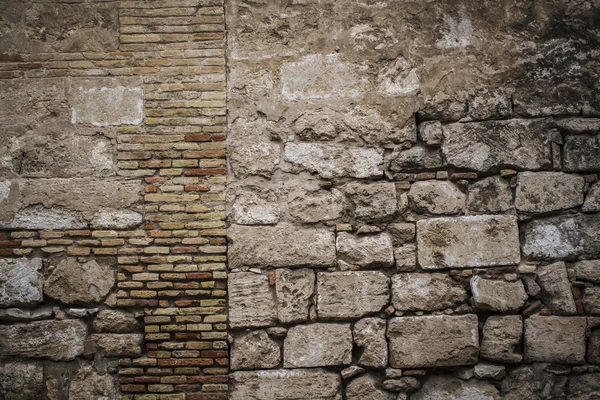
point(369, 334)
point(251, 303)
point(335, 345)
point(556, 289)
point(113, 321)
point(436, 197)
point(372, 202)
point(501, 337)
point(255, 350)
point(540, 192)
point(490, 196)
point(86, 384)
point(315, 206)
point(119, 345)
point(21, 381)
point(366, 387)
point(425, 292)
point(21, 282)
point(366, 251)
point(555, 339)
point(449, 388)
point(496, 295)
point(295, 290)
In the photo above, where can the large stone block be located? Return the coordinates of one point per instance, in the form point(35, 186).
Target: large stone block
point(436, 197)
point(366, 251)
point(497, 295)
point(416, 158)
point(426, 292)
point(563, 237)
point(556, 289)
point(483, 146)
point(255, 350)
point(351, 294)
point(56, 340)
point(540, 192)
point(251, 151)
point(119, 344)
point(113, 321)
point(491, 195)
point(449, 388)
point(555, 339)
point(501, 336)
point(20, 282)
point(465, 242)
point(372, 202)
point(315, 206)
point(588, 270)
point(433, 341)
point(21, 381)
point(580, 153)
point(283, 245)
point(334, 347)
point(251, 303)
point(295, 290)
point(292, 384)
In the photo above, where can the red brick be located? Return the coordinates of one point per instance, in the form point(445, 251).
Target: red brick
point(200, 275)
point(189, 285)
point(188, 336)
point(196, 188)
point(180, 250)
point(79, 233)
point(206, 396)
point(219, 137)
point(10, 243)
point(199, 137)
point(11, 57)
point(147, 379)
point(214, 353)
point(133, 388)
point(184, 362)
point(6, 252)
point(155, 179)
point(208, 379)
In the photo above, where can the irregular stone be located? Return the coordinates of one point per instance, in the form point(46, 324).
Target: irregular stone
point(576, 126)
point(351, 294)
point(283, 245)
point(406, 258)
point(251, 303)
point(255, 350)
point(255, 207)
point(502, 339)
point(485, 370)
point(335, 346)
point(372, 126)
point(562, 237)
point(305, 384)
point(317, 206)
point(404, 384)
point(433, 341)
point(588, 270)
point(56, 340)
point(75, 283)
point(295, 289)
point(119, 345)
point(117, 219)
point(592, 200)
point(436, 197)
point(540, 192)
point(490, 145)
point(369, 334)
point(593, 349)
point(17, 314)
point(580, 153)
point(448, 388)
point(21, 381)
point(485, 105)
point(372, 202)
point(555, 339)
point(430, 132)
point(426, 292)
point(533, 289)
point(366, 251)
point(352, 371)
point(490, 196)
point(532, 382)
point(366, 387)
point(402, 232)
point(584, 387)
point(556, 289)
point(20, 282)
point(277, 331)
point(392, 373)
point(496, 295)
point(87, 384)
point(466, 242)
point(591, 301)
point(113, 321)
point(416, 158)
point(335, 161)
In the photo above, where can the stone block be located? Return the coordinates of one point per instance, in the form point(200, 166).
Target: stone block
point(369, 334)
point(555, 339)
point(255, 350)
point(592, 199)
point(406, 258)
point(251, 303)
point(119, 344)
point(372, 202)
point(436, 197)
point(251, 152)
point(116, 219)
point(334, 346)
point(366, 251)
point(556, 289)
point(21, 282)
point(584, 387)
point(113, 321)
point(416, 159)
point(367, 387)
point(497, 295)
point(450, 388)
point(466, 242)
point(295, 290)
point(430, 132)
point(591, 301)
point(315, 206)
point(490, 196)
point(86, 383)
point(541, 192)
point(21, 381)
point(580, 153)
point(426, 292)
point(501, 337)
point(588, 270)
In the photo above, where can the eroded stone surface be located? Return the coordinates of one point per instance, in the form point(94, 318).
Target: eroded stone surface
point(496, 295)
point(588, 270)
point(117, 219)
point(113, 321)
point(556, 289)
point(119, 345)
point(295, 289)
point(366, 251)
point(426, 292)
point(584, 387)
point(335, 346)
point(416, 158)
point(539, 192)
point(86, 384)
point(369, 334)
point(580, 153)
point(366, 387)
point(448, 388)
point(315, 206)
point(502, 338)
point(372, 202)
point(592, 199)
point(490, 196)
point(20, 282)
point(21, 381)
point(255, 350)
point(436, 197)
point(555, 339)
point(591, 301)
point(251, 303)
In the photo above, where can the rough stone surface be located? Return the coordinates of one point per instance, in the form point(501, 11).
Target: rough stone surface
point(20, 282)
point(21, 381)
point(463, 242)
point(75, 283)
point(489, 371)
point(436, 197)
point(301, 384)
point(532, 382)
point(56, 340)
point(255, 350)
point(255, 207)
point(119, 345)
point(295, 289)
point(588, 270)
point(591, 301)
point(592, 200)
point(351, 294)
point(430, 133)
point(119, 219)
point(555, 339)
point(366, 387)
point(425, 292)
point(315, 206)
point(366, 251)
point(502, 339)
point(556, 289)
point(87, 384)
point(580, 153)
point(251, 303)
point(490, 195)
point(372, 202)
point(113, 321)
point(335, 346)
point(584, 387)
point(447, 388)
point(406, 258)
point(404, 384)
point(495, 295)
point(433, 341)
point(540, 192)
point(280, 246)
point(369, 334)
point(416, 158)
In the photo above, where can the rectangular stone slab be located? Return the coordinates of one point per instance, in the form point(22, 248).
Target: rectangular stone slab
point(467, 242)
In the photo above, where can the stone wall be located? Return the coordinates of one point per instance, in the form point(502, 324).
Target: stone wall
point(413, 199)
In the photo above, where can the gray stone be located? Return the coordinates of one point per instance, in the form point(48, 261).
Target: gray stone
point(404, 384)
point(366, 387)
point(584, 387)
point(305, 384)
point(532, 382)
point(251, 303)
point(372, 202)
point(20, 282)
point(592, 200)
point(392, 373)
point(588, 270)
point(369, 334)
point(255, 350)
point(119, 345)
point(496, 295)
point(556, 289)
point(406, 258)
point(533, 289)
point(283, 245)
point(541, 192)
point(402, 232)
point(335, 161)
point(489, 145)
point(466, 242)
point(112, 321)
point(352, 371)
point(295, 289)
point(593, 349)
point(351, 294)
point(433, 341)
point(436, 197)
point(426, 292)
point(430, 132)
point(490, 196)
point(316, 206)
point(56, 340)
point(334, 346)
point(580, 153)
point(591, 301)
point(485, 370)
point(562, 237)
point(447, 388)
point(21, 381)
point(255, 207)
point(555, 339)
point(416, 158)
point(366, 251)
point(87, 384)
point(117, 219)
point(490, 104)
point(502, 339)
point(75, 283)
point(576, 126)
point(17, 314)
